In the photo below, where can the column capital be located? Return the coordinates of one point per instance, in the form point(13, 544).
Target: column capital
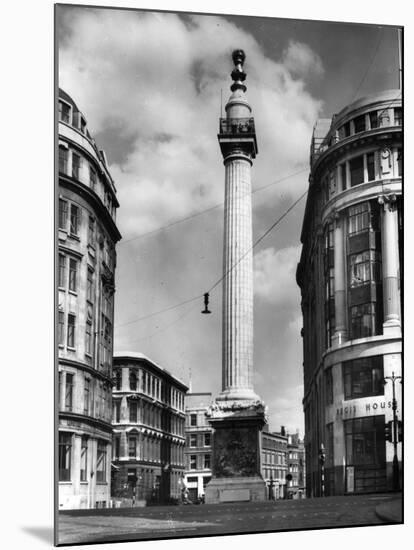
point(388, 201)
point(335, 217)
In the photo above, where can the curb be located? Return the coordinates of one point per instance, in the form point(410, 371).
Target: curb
point(391, 512)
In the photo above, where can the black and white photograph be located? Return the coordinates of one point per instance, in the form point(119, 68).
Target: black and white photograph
point(229, 274)
point(226, 288)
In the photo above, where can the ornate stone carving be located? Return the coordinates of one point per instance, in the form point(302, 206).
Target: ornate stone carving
point(235, 452)
point(388, 201)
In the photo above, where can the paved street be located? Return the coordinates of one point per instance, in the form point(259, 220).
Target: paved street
point(188, 521)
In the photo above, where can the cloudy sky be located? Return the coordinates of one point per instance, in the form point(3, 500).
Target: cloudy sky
point(150, 86)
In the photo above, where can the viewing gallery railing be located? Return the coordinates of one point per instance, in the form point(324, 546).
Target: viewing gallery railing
point(237, 126)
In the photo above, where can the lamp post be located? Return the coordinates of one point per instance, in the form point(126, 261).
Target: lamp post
point(322, 457)
point(395, 465)
point(271, 485)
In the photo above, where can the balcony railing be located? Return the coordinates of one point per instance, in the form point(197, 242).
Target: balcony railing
point(237, 126)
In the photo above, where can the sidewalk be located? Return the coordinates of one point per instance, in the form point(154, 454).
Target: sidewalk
point(390, 511)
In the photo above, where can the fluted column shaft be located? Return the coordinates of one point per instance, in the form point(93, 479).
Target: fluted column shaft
point(390, 266)
point(340, 334)
point(238, 278)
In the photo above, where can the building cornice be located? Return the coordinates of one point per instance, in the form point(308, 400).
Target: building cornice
point(85, 192)
point(85, 367)
point(96, 422)
point(356, 142)
point(360, 193)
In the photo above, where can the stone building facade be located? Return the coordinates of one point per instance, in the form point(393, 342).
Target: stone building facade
point(198, 449)
point(296, 466)
point(274, 463)
point(350, 275)
point(148, 431)
point(86, 259)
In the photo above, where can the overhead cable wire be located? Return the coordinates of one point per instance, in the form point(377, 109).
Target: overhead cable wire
point(291, 207)
point(166, 327)
point(369, 65)
point(208, 209)
point(175, 306)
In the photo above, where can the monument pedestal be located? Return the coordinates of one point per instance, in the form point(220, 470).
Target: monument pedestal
point(236, 453)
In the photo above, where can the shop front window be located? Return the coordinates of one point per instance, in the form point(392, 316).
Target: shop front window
point(365, 440)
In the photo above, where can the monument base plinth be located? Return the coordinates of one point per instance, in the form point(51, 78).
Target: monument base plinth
point(235, 489)
point(237, 440)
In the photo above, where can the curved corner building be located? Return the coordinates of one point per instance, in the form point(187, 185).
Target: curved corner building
point(87, 234)
point(350, 279)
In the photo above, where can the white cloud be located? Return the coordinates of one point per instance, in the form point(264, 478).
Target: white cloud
point(153, 75)
point(287, 410)
point(299, 59)
point(275, 276)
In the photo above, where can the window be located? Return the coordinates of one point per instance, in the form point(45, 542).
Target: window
point(118, 379)
point(117, 446)
point(91, 231)
point(329, 386)
point(84, 459)
point(117, 410)
point(61, 328)
point(76, 161)
point(398, 116)
point(63, 214)
point(92, 178)
point(132, 380)
point(88, 338)
point(69, 392)
point(343, 176)
point(73, 274)
point(62, 270)
point(133, 408)
point(89, 286)
point(132, 446)
point(363, 319)
point(360, 268)
point(193, 440)
point(399, 162)
point(363, 268)
point(193, 420)
point(63, 159)
point(359, 124)
point(71, 330)
point(64, 112)
point(358, 218)
point(86, 396)
point(101, 462)
point(363, 377)
point(356, 166)
point(74, 219)
point(371, 166)
point(193, 462)
point(207, 461)
point(207, 440)
point(82, 125)
point(365, 441)
point(345, 131)
point(65, 453)
point(329, 285)
point(373, 119)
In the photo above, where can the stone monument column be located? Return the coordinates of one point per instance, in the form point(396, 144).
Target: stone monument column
point(238, 415)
